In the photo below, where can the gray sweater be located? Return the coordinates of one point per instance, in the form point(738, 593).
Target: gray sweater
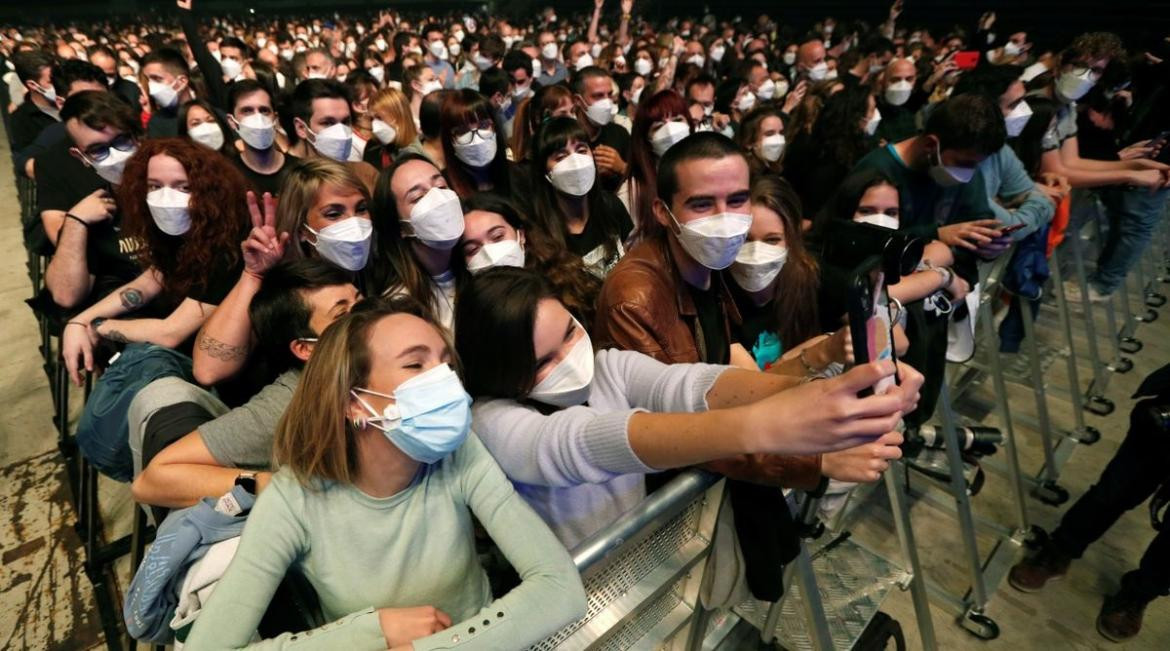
point(575, 466)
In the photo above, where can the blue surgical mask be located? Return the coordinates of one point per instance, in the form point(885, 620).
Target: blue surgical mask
point(430, 416)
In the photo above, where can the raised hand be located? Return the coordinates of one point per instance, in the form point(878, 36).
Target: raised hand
point(264, 246)
point(184, 4)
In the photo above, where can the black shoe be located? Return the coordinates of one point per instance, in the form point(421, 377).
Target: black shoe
point(1048, 564)
point(1121, 616)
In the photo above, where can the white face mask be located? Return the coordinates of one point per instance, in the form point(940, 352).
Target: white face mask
point(569, 382)
point(601, 112)
point(949, 176)
point(697, 59)
point(781, 88)
point(345, 243)
point(207, 134)
point(766, 90)
point(437, 219)
point(168, 207)
point(385, 133)
point(574, 174)
point(717, 53)
point(481, 62)
point(832, 74)
point(714, 241)
point(257, 131)
point(381, 44)
point(878, 219)
point(438, 50)
point(819, 71)
point(771, 147)
point(595, 50)
point(454, 49)
point(636, 96)
point(1011, 49)
point(549, 51)
point(479, 151)
point(668, 135)
point(757, 264)
point(899, 93)
point(110, 169)
point(231, 68)
point(874, 120)
point(164, 95)
point(746, 102)
point(584, 61)
point(316, 74)
point(378, 73)
point(1018, 119)
point(789, 58)
point(505, 253)
point(643, 66)
point(431, 86)
point(1073, 87)
point(334, 141)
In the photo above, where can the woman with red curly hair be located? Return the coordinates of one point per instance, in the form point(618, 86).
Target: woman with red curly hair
point(187, 205)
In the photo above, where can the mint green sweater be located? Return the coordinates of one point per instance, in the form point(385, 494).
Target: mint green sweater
point(415, 548)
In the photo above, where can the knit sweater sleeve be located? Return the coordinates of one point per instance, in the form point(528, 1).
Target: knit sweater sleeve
point(550, 593)
point(273, 540)
point(656, 387)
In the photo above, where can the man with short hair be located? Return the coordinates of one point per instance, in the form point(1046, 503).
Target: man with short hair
point(319, 64)
point(105, 59)
point(518, 66)
point(497, 88)
point(700, 96)
point(168, 82)
point(876, 53)
point(234, 57)
point(323, 125)
point(810, 60)
point(551, 71)
point(436, 55)
point(577, 56)
point(254, 120)
point(593, 94)
point(898, 99)
point(70, 76)
point(40, 108)
point(187, 443)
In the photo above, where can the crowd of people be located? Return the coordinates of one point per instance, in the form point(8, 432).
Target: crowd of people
point(453, 286)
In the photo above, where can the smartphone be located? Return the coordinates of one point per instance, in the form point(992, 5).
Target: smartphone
point(1008, 230)
point(967, 60)
point(870, 324)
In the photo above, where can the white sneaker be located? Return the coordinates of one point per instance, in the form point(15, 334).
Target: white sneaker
point(1072, 292)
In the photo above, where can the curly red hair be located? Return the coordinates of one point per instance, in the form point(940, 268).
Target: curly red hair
point(218, 208)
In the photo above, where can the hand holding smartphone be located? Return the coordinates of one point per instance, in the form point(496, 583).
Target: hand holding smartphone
point(870, 324)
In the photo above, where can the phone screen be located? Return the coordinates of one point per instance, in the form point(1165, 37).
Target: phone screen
point(878, 337)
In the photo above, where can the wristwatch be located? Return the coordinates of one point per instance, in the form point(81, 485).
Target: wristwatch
point(247, 480)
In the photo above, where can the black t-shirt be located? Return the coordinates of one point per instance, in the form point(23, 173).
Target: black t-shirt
point(616, 136)
point(261, 183)
point(62, 181)
point(714, 348)
point(591, 243)
point(164, 123)
point(27, 123)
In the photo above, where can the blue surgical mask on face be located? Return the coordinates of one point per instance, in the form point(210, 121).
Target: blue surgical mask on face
point(429, 418)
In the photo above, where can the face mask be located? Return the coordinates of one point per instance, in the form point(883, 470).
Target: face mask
point(520, 91)
point(481, 62)
point(111, 168)
point(257, 131)
point(574, 174)
point(505, 253)
point(537, 68)
point(438, 50)
point(872, 125)
point(708, 110)
point(231, 68)
point(569, 382)
point(663, 62)
point(334, 141)
point(601, 112)
point(766, 90)
point(898, 93)
point(430, 87)
point(459, 35)
point(714, 241)
point(771, 147)
point(831, 75)
point(429, 418)
point(584, 61)
point(480, 151)
point(454, 49)
point(286, 54)
point(50, 93)
point(1011, 49)
point(757, 264)
point(315, 74)
point(667, 136)
point(643, 66)
point(549, 51)
point(1017, 119)
point(746, 102)
point(207, 134)
point(595, 50)
point(381, 44)
point(437, 219)
point(384, 132)
point(619, 62)
point(819, 71)
point(345, 243)
point(789, 58)
point(717, 53)
point(878, 219)
point(950, 176)
point(378, 73)
point(168, 207)
point(781, 88)
point(697, 59)
point(162, 94)
point(1073, 87)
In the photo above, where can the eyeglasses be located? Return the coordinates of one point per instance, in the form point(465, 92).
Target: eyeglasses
point(464, 135)
point(98, 153)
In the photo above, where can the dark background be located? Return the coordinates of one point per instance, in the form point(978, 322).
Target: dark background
point(1138, 21)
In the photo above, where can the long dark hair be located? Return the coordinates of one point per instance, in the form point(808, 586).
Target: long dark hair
point(838, 131)
point(843, 204)
point(228, 147)
point(494, 320)
point(1027, 145)
point(554, 135)
point(576, 288)
point(459, 109)
point(643, 161)
point(532, 113)
point(748, 135)
point(794, 302)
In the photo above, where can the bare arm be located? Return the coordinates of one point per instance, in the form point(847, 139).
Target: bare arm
point(169, 332)
point(67, 275)
point(185, 472)
point(226, 337)
point(624, 25)
point(592, 34)
point(78, 338)
point(1080, 173)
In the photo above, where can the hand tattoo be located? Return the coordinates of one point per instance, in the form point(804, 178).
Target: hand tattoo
point(219, 350)
point(131, 298)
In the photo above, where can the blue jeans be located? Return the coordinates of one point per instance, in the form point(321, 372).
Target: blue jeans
point(1132, 214)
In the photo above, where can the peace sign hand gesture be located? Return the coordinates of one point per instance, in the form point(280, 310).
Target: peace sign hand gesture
point(264, 247)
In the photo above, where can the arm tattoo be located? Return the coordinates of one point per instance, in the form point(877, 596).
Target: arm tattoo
point(131, 298)
point(115, 336)
point(222, 351)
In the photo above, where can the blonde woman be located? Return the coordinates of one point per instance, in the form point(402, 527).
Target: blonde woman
point(324, 211)
point(378, 518)
point(393, 127)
